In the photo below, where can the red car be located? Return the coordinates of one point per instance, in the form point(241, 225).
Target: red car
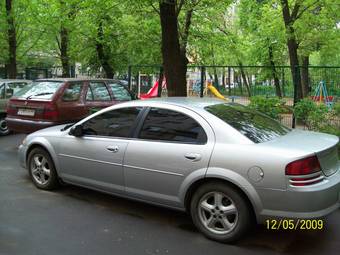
point(51, 102)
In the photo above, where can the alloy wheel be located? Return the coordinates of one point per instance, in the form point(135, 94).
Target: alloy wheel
point(40, 169)
point(217, 212)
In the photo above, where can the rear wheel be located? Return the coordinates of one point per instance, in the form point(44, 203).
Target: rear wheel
point(220, 212)
point(42, 170)
point(3, 127)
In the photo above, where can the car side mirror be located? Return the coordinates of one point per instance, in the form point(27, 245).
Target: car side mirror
point(77, 131)
point(9, 93)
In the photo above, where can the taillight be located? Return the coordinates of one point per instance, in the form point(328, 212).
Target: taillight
point(10, 109)
point(50, 112)
point(306, 171)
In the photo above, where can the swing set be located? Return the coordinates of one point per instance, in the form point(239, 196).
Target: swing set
point(321, 95)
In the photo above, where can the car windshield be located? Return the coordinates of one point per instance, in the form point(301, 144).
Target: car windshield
point(40, 89)
point(252, 124)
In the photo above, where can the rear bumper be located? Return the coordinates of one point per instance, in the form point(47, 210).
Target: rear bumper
point(27, 126)
point(303, 202)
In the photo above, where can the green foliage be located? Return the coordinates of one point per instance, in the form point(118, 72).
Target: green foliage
point(271, 106)
point(303, 109)
point(318, 117)
point(336, 109)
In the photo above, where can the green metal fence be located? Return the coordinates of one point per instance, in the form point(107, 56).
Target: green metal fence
point(239, 83)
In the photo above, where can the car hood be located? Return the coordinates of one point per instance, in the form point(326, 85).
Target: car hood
point(51, 131)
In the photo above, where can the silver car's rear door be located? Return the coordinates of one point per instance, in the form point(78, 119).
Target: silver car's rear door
point(155, 165)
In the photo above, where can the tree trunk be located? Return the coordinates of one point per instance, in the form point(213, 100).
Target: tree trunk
point(244, 78)
point(174, 60)
point(216, 83)
point(305, 76)
point(12, 42)
point(64, 40)
point(292, 45)
point(274, 73)
point(103, 58)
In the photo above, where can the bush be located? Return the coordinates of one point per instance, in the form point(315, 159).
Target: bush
point(336, 109)
point(318, 117)
point(271, 106)
point(303, 109)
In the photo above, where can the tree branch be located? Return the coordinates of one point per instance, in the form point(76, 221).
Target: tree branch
point(179, 7)
point(298, 15)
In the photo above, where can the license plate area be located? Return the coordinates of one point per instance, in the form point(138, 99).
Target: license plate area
point(26, 112)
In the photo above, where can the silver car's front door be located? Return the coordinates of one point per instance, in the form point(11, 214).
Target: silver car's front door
point(93, 161)
point(96, 158)
point(154, 170)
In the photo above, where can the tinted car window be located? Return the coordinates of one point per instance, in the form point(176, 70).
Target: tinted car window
point(40, 89)
point(72, 93)
point(167, 125)
point(119, 92)
point(97, 91)
point(116, 123)
point(254, 125)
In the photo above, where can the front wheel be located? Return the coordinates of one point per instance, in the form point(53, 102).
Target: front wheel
point(3, 127)
point(42, 170)
point(220, 212)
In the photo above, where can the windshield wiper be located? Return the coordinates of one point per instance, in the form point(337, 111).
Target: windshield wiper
point(40, 94)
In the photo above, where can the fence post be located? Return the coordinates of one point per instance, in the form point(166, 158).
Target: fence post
point(229, 81)
point(283, 82)
point(295, 92)
point(160, 81)
point(202, 80)
point(129, 78)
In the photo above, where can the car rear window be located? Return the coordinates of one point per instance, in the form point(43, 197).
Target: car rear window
point(39, 90)
point(252, 124)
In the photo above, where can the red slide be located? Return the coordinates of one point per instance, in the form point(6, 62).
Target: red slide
point(153, 92)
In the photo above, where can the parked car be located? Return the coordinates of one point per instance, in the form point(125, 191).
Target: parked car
point(7, 89)
point(222, 162)
point(51, 102)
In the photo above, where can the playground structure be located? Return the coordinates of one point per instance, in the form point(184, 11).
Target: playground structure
point(321, 95)
point(153, 92)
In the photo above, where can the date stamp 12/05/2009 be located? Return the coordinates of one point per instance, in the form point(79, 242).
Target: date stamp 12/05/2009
point(297, 224)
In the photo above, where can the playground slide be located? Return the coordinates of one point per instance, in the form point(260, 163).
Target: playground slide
point(153, 92)
point(215, 92)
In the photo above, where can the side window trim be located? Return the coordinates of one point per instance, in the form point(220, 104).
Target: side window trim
point(89, 89)
point(143, 118)
point(140, 123)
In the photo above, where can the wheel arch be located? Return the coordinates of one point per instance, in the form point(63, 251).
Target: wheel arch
point(45, 146)
point(247, 191)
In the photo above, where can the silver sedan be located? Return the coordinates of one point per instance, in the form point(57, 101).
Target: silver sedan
point(225, 164)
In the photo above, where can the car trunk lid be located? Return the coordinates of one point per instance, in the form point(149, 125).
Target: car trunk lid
point(29, 109)
point(304, 143)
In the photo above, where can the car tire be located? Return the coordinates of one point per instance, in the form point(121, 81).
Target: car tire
point(220, 212)
point(3, 127)
point(42, 170)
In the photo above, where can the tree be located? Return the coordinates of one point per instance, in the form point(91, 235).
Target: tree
point(12, 41)
point(174, 60)
point(290, 16)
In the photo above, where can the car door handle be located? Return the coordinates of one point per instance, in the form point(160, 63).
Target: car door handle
point(193, 156)
point(113, 149)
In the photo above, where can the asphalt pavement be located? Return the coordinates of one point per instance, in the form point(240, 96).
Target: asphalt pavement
point(74, 220)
